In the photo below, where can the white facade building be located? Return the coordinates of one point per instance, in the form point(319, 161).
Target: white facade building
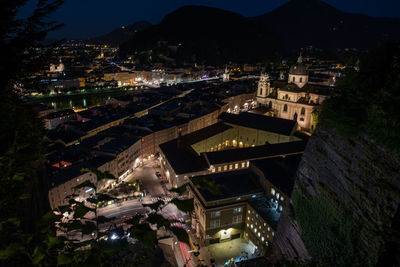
point(295, 99)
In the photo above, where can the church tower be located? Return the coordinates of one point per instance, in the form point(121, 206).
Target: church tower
point(264, 88)
point(225, 77)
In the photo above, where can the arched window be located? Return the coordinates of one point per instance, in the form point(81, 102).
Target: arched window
point(301, 79)
point(285, 108)
point(260, 91)
point(294, 79)
point(295, 116)
point(270, 104)
point(303, 111)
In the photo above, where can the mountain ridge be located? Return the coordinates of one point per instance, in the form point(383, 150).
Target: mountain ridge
point(233, 37)
point(121, 34)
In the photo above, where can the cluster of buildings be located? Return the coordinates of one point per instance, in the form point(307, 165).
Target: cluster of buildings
point(235, 144)
point(240, 173)
point(296, 98)
point(116, 140)
point(79, 66)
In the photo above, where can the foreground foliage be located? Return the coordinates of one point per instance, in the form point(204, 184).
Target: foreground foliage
point(368, 100)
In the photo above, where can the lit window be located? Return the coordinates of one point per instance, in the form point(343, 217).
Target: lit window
point(277, 195)
point(259, 234)
point(248, 163)
point(225, 167)
point(236, 165)
point(215, 214)
point(251, 226)
point(219, 168)
point(265, 224)
point(214, 223)
point(231, 167)
point(247, 225)
point(248, 218)
point(272, 191)
point(236, 210)
point(282, 198)
point(268, 229)
point(262, 239)
point(237, 219)
point(256, 215)
point(273, 233)
point(213, 170)
point(248, 211)
point(266, 243)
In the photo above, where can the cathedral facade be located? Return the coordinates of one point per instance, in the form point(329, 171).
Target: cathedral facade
point(295, 99)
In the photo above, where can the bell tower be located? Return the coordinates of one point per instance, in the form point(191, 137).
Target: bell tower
point(226, 74)
point(264, 88)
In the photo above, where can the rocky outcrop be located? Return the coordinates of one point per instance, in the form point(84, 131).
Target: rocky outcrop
point(287, 245)
point(345, 198)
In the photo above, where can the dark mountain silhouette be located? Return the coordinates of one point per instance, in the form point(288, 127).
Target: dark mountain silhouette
point(300, 23)
point(120, 35)
point(217, 36)
point(205, 34)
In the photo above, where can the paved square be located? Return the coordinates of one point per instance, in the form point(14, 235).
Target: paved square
point(237, 249)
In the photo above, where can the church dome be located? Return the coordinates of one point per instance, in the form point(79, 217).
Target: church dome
point(299, 68)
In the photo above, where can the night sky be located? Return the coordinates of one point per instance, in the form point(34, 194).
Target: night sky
point(89, 18)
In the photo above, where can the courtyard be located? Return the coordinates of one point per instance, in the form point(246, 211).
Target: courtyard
point(238, 249)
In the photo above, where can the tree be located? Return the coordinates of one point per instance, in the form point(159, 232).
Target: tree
point(26, 238)
point(367, 100)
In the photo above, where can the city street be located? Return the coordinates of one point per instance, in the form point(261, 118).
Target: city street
point(156, 189)
point(148, 178)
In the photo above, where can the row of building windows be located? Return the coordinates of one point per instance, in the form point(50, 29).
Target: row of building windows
point(217, 222)
point(302, 112)
point(218, 213)
point(244, 164)
point(276, 194)
point(259, 227)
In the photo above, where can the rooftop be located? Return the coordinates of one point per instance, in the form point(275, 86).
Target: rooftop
point(182, 158)
point(257, 152)
point(59, 176)
point(205, 133)
point(225, 185)
point(309, 88)
point(260, 122)
point(280, 171)
point(118, 145)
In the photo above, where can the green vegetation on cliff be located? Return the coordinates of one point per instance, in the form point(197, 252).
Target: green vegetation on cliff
point(346, 194)
point(368, 100)
point(329, 231)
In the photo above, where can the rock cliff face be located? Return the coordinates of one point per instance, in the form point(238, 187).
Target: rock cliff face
point(345, 199)
point(287, 245)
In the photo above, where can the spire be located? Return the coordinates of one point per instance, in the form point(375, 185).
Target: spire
point(300, 59)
